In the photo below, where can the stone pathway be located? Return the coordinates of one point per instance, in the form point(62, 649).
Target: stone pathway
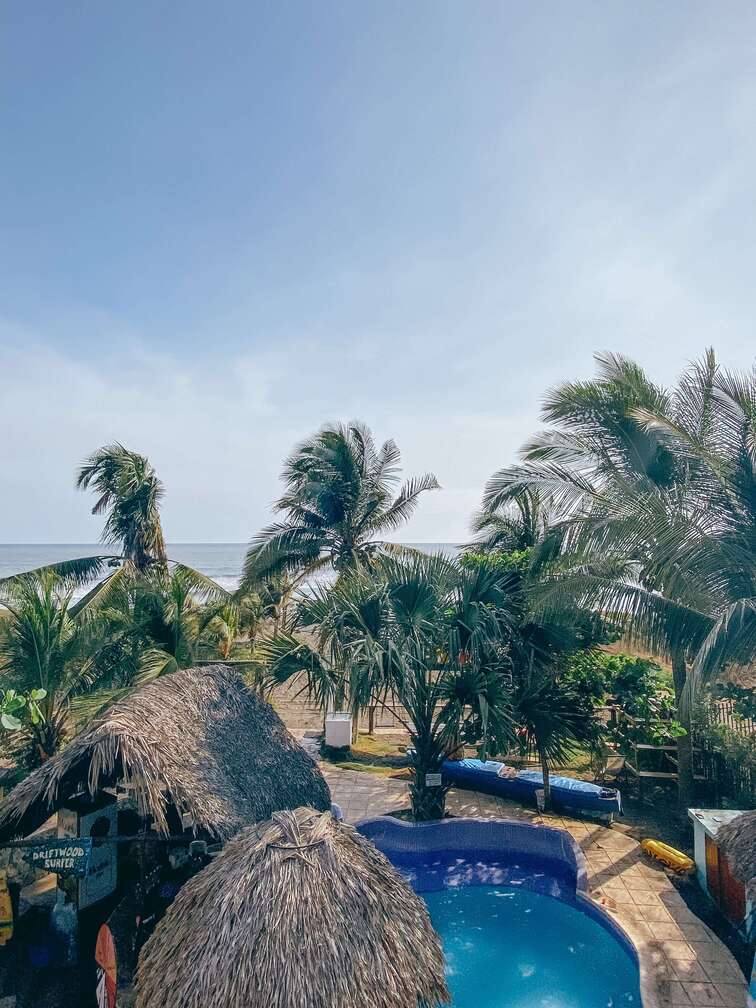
point(682, 960)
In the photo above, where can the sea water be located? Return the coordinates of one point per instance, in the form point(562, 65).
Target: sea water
point(513, 948)
point(221, 561)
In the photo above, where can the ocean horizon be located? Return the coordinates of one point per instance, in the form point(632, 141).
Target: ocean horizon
point(221, 561)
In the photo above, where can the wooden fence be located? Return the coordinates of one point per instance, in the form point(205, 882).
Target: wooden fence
point(726, 779)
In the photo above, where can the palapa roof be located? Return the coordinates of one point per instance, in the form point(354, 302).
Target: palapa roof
point(298, 912)
point(738, 841)
point(198, 739)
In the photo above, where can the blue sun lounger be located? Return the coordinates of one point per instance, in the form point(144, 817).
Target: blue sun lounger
point(566, 792)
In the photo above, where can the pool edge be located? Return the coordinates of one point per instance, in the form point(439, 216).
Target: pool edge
point(639, 948)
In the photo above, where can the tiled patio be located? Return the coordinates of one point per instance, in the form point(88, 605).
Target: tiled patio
point(682, 961)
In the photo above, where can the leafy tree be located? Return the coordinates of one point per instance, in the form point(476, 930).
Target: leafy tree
point(339, 502)
point(657, 494)
point(46, 657)
point(149, 628)
point(552, 714)
point(423, 630)
point(556, 718)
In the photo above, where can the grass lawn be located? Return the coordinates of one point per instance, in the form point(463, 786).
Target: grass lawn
point(371, 754)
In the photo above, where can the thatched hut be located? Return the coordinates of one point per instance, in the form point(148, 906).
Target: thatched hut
point(198, 743)
point(737, 839)
point(298, 912)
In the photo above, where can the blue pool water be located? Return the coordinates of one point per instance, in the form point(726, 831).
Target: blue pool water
point(508, 901)
point(511, 947)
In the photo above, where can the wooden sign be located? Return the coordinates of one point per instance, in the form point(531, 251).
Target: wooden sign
point(62, 856)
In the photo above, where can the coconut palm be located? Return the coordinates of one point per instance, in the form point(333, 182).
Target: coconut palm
point(658, 497)
point(518, 523)
point(128, 494)
point(150, 627)
point(338, 504)
point(45, 652)
point(422, 630)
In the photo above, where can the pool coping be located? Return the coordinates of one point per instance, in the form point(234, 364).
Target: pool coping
point(637, 948)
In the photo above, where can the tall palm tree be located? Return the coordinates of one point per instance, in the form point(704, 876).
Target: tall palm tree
point(425, 631)
point(339, 502)
point(128, 494)
point(657, 491)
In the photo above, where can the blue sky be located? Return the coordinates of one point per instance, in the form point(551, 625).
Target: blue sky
point(223, 224)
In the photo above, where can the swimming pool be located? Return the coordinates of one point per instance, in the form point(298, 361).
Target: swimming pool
point(507, 900)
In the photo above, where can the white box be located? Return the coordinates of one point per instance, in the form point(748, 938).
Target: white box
point(338, 729)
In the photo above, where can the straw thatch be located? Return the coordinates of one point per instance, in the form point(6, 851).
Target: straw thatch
point(737, 839)
point(299, 912)
point(198, 740)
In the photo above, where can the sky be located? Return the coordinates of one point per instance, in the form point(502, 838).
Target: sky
point(223, 224)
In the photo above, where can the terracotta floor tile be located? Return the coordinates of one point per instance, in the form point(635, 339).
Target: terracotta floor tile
point(676, 949)
point(722, 970)
point(667, 930)
point(677, 994)
point(688, 969)
point(733, 995)
point(702, 993)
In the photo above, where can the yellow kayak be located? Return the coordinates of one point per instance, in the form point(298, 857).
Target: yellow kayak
point(672, 858)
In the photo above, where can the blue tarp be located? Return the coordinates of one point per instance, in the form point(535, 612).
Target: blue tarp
point(567, 792)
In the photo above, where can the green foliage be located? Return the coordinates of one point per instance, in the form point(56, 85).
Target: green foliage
point(656, 494)
point(638, 685)
point(45, 657)
point(556, 717)
point(424, 630)
point(15, 707)
point(129, 494)
point(515, 562)
point(745, 699)
point(339, 502)
point(586, 673)
point(737, 749)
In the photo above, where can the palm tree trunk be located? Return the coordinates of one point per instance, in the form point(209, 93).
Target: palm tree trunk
point(546, 779)
point(428, 803)
point(685, 782)
point(371, 719)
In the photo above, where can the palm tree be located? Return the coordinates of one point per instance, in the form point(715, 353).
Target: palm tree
point(657, 492)
point(149, 627)
point(45, 652)
point(338, 504)
point(518, 523)
point(554, 717)
point(128, 494)
point(422, 630)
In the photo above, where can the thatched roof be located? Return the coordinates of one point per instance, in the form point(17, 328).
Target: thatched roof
point(198, 739)
point(299, 912)
point(738, 841)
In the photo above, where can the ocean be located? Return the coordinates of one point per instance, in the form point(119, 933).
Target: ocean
point(220, 561)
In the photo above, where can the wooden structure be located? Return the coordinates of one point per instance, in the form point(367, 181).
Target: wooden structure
point(713, 868)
